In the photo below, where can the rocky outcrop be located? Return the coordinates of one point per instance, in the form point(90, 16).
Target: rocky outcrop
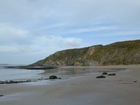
point(120, 53)
point(113, 74)
point(1, 95)
point(53, 77)
point(29, 80)
point(101, 76)
point(104, 73)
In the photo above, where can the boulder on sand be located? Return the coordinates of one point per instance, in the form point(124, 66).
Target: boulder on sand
point(53, 77)
point(113, 74)
point(1, 95)
point(101, 76)
point(104, 73)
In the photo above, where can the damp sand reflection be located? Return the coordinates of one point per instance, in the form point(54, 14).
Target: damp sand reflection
point(72, 72)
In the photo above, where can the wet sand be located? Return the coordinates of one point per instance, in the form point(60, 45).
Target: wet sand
point(122, 89)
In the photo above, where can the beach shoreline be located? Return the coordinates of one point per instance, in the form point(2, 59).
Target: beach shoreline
point(80, 90)
point(108, 66)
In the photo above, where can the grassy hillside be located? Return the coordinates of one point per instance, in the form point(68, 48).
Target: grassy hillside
point(119, 53)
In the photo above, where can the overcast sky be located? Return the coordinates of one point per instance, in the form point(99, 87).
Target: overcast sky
point(31, 30)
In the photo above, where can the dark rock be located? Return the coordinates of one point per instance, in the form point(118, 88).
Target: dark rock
point(113, 74)
point(1, 82)
point(11, 81)
point(29, 80)
point(53, 77)
point(104, 73)
point(40, 79)
point(135, 81)
point(101, 76)
point(1, 95)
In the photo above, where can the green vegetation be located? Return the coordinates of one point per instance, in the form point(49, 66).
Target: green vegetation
point(119, 53)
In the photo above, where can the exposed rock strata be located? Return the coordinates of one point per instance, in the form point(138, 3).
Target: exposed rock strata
point(120, 53)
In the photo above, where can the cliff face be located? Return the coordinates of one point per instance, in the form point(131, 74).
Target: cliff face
point(120, 53)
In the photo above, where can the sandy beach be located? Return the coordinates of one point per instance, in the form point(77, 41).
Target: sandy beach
point(122, 89)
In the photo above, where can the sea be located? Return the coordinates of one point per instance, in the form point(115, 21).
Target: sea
point(7, 74)
point(15, 74)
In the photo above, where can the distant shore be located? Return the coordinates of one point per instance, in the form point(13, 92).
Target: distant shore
point(31, 67)
point(54, 67)
point(109, 66)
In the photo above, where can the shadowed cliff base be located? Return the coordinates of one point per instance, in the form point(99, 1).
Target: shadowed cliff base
point(31, 67)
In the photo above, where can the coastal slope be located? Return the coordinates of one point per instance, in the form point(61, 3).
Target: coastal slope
point(119, 53)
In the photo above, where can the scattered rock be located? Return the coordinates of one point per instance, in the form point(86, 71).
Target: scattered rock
point(104, 73)
point(101, 76)
point(1, 95)
point(1, 82)
point(53, 77)
point(24, 81)
point(113, 74)
point(13, 82)
point(29, 80)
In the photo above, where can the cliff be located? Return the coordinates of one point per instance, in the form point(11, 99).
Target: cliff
point(119, 53)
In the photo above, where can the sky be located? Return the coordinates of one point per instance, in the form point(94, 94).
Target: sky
point(31, 30)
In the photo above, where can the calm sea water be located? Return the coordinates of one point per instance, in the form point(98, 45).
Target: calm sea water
point(14, 74)
point(11, 74)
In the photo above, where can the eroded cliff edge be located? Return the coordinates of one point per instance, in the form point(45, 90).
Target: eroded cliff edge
point(119, 53)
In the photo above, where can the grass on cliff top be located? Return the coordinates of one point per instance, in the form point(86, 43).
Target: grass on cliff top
point(123, 47)
point(72, 55)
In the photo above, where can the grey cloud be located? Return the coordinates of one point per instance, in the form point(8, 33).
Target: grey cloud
point(22, 41)
point(35, 32)
point(58, 41)
point(33, 26)
point(32, 0)
point(73, 11)
point(91, 29)
point(11, 35)
point(73, 42)
point(8, 48)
